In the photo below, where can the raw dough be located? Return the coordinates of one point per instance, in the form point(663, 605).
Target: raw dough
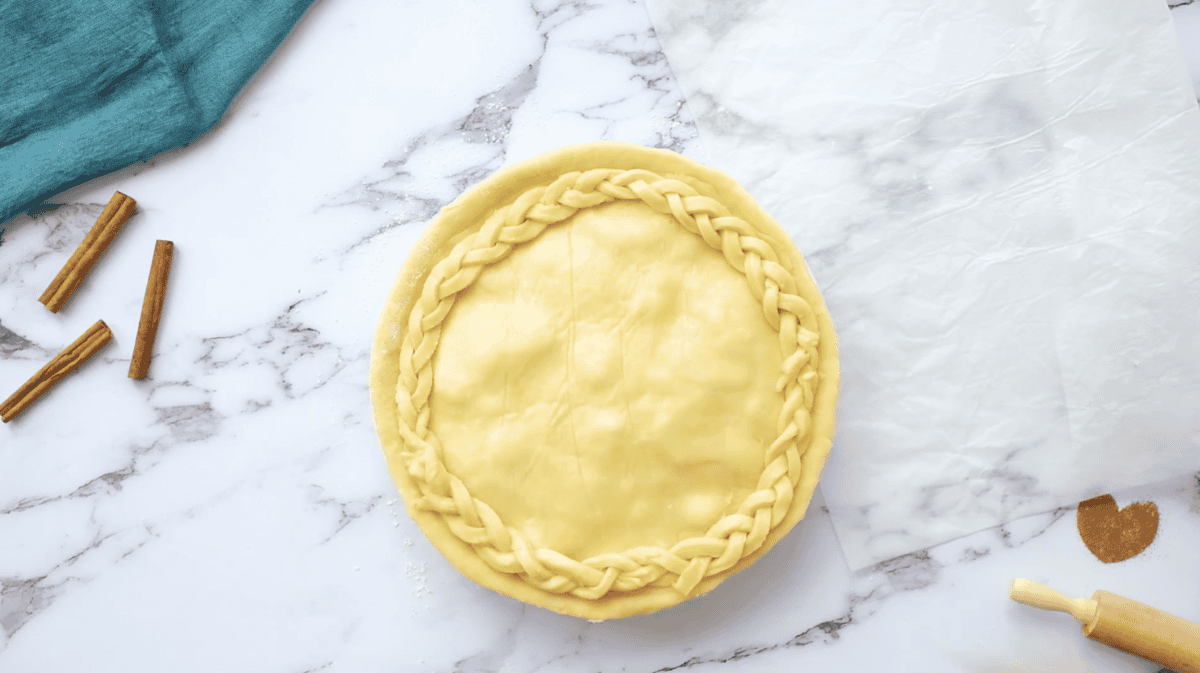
point(583, 415)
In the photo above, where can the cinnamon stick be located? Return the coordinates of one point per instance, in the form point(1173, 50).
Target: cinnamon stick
point(64, 363)
point(156, 292)
point(118, 210)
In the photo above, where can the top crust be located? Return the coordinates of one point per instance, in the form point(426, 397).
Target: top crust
point(602, 391)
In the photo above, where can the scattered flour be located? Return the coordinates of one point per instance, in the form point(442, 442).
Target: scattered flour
point(417, 573)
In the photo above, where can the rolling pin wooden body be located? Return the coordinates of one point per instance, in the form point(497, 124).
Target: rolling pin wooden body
point(1142, 630)
point(1126, 625)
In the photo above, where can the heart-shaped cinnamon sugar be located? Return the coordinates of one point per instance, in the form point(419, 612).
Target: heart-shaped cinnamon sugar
point(1116, 534)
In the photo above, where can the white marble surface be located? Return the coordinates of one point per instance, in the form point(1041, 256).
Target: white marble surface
point(233, 512)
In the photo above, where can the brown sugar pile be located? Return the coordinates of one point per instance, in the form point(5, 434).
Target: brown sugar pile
point(1116, 534)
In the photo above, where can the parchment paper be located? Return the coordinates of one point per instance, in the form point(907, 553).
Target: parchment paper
point(1000, 203)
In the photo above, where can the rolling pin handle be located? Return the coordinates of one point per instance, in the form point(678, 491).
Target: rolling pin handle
point(1042, 596)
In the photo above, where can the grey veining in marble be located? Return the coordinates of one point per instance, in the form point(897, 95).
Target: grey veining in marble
point(233, 512)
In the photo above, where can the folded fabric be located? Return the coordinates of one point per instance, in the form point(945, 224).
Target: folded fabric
point(92, 86)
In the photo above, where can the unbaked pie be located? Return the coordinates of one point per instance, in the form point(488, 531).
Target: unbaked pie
point(605, 381)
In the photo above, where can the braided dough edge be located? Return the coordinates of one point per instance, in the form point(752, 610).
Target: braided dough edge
point(606, 586)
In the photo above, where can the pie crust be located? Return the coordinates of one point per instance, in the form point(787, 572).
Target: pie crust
point(604, 381)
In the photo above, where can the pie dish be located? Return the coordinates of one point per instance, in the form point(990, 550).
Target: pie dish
point(604, 381)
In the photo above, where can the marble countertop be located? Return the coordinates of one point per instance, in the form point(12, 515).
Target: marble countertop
point(233, 511)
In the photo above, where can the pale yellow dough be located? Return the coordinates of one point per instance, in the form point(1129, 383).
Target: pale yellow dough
point(589, 407)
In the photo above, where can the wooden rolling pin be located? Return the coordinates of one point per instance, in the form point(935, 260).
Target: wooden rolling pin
point(1124, 624)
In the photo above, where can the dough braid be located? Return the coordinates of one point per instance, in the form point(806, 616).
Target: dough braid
point(728, 540)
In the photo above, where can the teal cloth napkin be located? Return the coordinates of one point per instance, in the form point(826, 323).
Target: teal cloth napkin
point(91, 86)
